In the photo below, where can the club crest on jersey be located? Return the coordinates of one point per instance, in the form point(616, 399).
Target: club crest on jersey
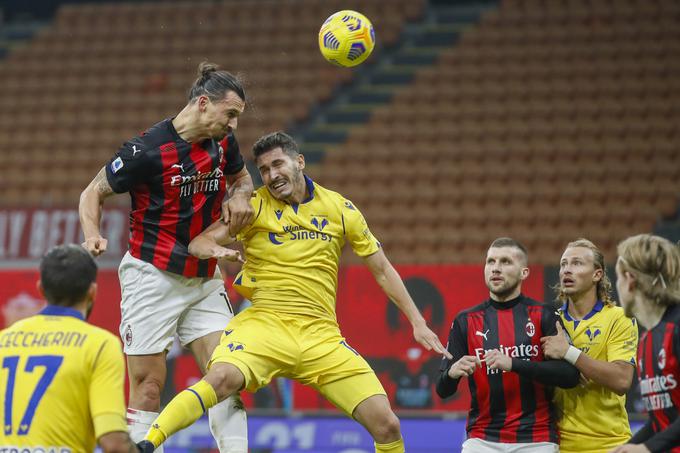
point(236, 346)
point(278, 214)
point(116, 165)
point(592, 333)
point(221, 151)
point(319, 225)
point(530, 328)
point(128, 335)
point(661, 359)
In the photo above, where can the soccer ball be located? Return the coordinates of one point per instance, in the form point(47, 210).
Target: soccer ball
point(346, 38)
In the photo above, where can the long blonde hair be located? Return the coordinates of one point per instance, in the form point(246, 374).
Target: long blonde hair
point(655, 264)
point(604, 286)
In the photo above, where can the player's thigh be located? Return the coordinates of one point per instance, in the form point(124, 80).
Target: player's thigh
point(149, 370)
point(338, 371)
point(203, 347)
point(209, 311)
point(259, 345)
point(152, 302)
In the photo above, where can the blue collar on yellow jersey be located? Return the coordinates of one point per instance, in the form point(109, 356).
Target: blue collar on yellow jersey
point(56, 310)
point(599, 305)
point(310, 189)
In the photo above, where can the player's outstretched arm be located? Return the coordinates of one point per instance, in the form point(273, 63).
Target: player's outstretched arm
point(90, 211)
point(390, 282)
point(209, 244)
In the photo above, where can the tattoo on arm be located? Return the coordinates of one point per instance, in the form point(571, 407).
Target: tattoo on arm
point(101, 185)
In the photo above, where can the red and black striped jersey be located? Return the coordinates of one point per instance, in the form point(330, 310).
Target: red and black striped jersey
point(506, 406)
point(658, 374)
point(177, 189)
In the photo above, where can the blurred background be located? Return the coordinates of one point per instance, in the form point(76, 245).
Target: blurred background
point(544, 120)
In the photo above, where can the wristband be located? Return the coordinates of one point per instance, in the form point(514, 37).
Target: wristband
point(572, 355)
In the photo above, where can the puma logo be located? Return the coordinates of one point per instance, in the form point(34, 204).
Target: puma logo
point(480, 334)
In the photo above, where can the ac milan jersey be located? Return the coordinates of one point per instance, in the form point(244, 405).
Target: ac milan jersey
point(658, 372)
point(177, 190)
point(506, 407)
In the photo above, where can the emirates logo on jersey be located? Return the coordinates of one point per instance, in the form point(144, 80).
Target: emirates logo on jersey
point(661, 359)
point(530, 329)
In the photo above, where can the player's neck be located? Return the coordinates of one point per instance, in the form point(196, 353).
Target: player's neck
point(187, 126)
point(649, 313)
point(501, 298)
point(582, 304)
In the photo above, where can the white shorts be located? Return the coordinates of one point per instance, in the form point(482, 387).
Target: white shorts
point(156, 305)
point(475, 445)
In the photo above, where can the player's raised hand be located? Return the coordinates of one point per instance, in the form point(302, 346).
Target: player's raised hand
point(429, 340)
point(95, 245)
point(631, 448)
point(555, 346)
point(496, 360)
point(465, 366)
point(238, 213)
point(223, 253)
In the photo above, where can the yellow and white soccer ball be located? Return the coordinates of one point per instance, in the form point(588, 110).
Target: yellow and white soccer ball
point(346, 38)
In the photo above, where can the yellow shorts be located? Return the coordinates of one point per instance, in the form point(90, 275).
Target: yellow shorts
point(264, 344)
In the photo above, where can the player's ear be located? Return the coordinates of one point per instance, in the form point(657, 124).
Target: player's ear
point(92, 291)
point(202, 102)
point(301, 162)
point(597, 275)
point(525, 273)
point(40, 288)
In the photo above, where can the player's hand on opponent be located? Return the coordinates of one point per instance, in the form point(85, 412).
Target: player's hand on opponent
point(95, 245)
point(237, 213)
point(429, 340)
point(465, 366)
point(496, 360)
point(631, 448)
point(223, 253)
point(555, 346)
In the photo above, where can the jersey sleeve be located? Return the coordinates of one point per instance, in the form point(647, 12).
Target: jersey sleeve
point(107, 400)
point(128, 167)
point(356, 230)
point(457, 346)
point(623, 340)
point(549, 318)
point(233, 157)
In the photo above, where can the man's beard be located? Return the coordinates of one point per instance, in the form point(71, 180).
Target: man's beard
point(505, 292)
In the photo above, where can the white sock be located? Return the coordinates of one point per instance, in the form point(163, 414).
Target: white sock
point(229, 425)
point(139, 423)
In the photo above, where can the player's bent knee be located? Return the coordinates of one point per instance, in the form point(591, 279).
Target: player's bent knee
point(225, 378)
point(145, 394)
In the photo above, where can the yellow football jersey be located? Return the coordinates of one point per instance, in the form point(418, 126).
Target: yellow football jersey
point(594, 418)
point(61, 382)
point(292, 251)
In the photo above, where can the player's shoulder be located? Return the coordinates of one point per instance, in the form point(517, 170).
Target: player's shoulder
point(613, 311)
point(154, 137)
point(478, 309)
point(96, 332)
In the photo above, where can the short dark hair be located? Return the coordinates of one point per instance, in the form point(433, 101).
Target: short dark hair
point(275, 140)
point(66, 273)
point(215, 83)
point(510, 242)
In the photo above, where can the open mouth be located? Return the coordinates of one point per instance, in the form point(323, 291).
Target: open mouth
point(278, 185)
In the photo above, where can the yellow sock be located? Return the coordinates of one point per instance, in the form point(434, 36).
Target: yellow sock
point(182, 411)
point(393, 447)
